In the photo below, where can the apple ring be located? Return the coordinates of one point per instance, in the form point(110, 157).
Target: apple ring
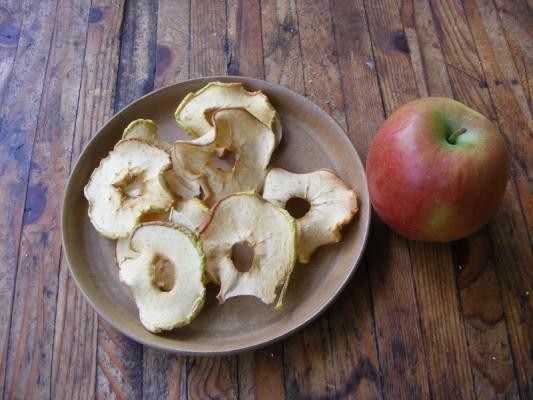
point(166, 278)
point(238, 131)
point(194, 112)
point(331, 205)
point(125, 186)
point(269, 230)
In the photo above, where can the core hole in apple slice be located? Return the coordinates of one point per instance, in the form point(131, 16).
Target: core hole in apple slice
point(163, 273)
point(242, 256)
point(131, 184)
point(297, 207)
point(224, 159)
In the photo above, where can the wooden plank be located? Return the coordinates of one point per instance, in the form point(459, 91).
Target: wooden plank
point(10, 23)
point(490, 380)
point(515, 17)
point(120, 360)
point(430, 72)
point(442, 326)
point(510, 101)
point(119, 365)
point(358, 74)
point(319, 59)
point(32, 324)
point(517, 127)
point(164, 375)
point(513, 256)
point(488, 339)
point(354, 341)
point(281, 44)
point(357, 351)
point(76, 333)
point(212, 377)
point(18, 126)
point(75, 342)
point(308, 356)
point(396, 318)
point(172, 56)
point(308, 362)
point(261, 374)
point(244, 47)
point(137, 52)
point(208, 38)
point(398, 332)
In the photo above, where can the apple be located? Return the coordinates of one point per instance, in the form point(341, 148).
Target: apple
point(437, 170)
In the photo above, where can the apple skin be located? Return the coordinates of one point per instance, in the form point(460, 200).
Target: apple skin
point(426, 188)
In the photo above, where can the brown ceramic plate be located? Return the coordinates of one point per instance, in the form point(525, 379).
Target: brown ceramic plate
point(311, 140)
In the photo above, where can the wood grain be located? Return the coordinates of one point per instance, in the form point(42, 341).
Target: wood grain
point(281, 44)
point(489, 379)
point(397, 317)
point(136, 69)
point(491, 358)
point(485, 375)
point(172, 55)
point(244, 47)
point(357, 353)
point(442, 323)
point(32, 323)
point(509, 101)
point(120, 360)
point(10, 24)
point(212, 378)
point(76, 347)
point(308, 356)
point(412, 310)
point(208, 39)
point(18, 127)
point(515, 19)
point(511, 256)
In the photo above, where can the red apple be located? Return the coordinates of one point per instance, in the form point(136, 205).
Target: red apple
point(437, 170)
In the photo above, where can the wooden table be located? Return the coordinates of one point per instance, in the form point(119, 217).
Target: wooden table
point(418, 320)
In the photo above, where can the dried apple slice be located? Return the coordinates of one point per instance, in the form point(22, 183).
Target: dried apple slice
point(127, 185)
point(331, 205)
point(166, 276)
point(145, 130)
point(238, 131)
point(123, 251)
point(122, 246)
point(192, 214)
point(194, 112)
point(182, 187)
point(270, 231)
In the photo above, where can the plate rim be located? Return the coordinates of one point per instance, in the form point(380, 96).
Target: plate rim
point(353, 267)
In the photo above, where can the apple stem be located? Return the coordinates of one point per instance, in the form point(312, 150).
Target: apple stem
point(453, 137)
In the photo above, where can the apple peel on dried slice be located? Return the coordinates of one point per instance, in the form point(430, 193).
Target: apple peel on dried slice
point(122, 245)
point(166, 277)
point(145, 130)
point(246, 218)
point(126, 185)
point(194, 112)
point(192, 214)
point(331, 205)
point(182, 187)
point(238, 131)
